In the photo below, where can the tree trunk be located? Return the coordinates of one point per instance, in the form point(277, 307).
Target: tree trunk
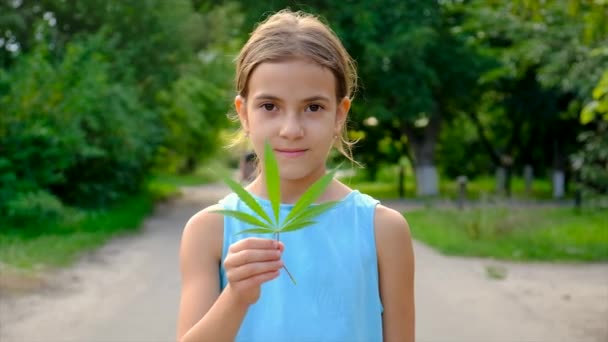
point(559, 176)
point(189, 166)
point(423, 142)
point(558, 183)
point(401, 184)
point(501, 179)
point(529, 178)
point(502, 160)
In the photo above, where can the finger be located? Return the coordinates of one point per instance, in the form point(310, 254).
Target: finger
point(253, 269)
point(251, 255)
point(257, 280)
point(253, 243)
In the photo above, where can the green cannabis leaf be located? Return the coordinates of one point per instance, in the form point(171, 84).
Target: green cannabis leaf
point(300, 216)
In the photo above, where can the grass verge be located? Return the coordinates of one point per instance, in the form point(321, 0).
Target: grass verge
point(386, 186)
point(522, 234)
point(56, 245)
point(34, 248)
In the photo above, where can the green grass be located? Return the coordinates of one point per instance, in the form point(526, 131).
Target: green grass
point(59, 244)
point(385, 187)
point(201, 176)
point(163, 185)
point(377, 189)
point(526, 234)
point(31, 248)
point(541, 188)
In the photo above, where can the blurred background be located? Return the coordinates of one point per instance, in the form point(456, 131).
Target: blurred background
point(107, 102)
point(485, 121)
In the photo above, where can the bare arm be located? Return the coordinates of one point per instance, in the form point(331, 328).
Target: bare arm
point(205, 314)
point(396, 269)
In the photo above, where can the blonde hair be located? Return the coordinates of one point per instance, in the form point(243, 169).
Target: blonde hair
point(289, 35)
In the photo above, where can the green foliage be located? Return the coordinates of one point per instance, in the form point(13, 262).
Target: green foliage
point(194, 109)
point(412, 67)
point(591, 161)
point(94, 94)
point(68, 128)
point(566, 43)
point(301, 212)
point(460, 151)
point(598, 106)
point(550, 54)
point(591, 164)
point(150, 39)
point(300, 215)
point(195, 103)
point(549, 234)
point(52, 234)
point(36, 207)
point(52, 244)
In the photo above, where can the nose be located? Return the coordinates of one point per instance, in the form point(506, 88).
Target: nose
point(291, 127)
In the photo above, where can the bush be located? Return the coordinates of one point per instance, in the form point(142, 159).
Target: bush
point(591, 162)
point(193, 111)
point(68, 128)
point(36, 207)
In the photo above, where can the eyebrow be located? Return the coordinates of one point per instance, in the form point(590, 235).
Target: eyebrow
point(308, 99)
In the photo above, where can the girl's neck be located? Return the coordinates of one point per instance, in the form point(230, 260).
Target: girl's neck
point(291, 189)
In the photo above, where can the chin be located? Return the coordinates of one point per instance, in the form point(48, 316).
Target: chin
point(294, 173)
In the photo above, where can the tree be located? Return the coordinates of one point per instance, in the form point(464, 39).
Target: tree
point(591, 162)
point(415, 73)
point(67, 128)
point(151, 37)
point(194, 109)
point(551, 55)
point(95, 94)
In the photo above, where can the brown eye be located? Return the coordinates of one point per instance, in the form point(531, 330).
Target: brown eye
point(314, 108)
point(268, 106)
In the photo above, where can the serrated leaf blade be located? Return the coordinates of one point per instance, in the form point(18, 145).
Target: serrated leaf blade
point(310, 195)
point(257, 230)
point(247, 218)
point(312, 212)
point(296, 226)
point(246, 197)
point(273, 183)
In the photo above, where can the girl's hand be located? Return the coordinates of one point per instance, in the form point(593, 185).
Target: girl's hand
point(249, 263)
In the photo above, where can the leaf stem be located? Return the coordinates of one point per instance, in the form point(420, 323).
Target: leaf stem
point(285, 267)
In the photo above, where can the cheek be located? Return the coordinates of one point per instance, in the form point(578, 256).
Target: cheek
point(262, 124)
point(260, 131)
point(324, 124)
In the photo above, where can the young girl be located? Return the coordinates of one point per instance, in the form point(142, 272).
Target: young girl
point(354, 268)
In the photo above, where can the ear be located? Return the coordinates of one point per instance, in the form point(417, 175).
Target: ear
point(342, 114)
point(241, 109)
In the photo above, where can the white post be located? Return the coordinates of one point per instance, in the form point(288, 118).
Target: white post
point(528, 177)
point(427, 181)
point(501, 180)
point(558, 183)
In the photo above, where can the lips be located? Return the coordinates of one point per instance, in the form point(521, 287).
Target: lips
point(290, 152)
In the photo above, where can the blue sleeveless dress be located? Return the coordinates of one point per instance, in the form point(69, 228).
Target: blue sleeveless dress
point(334, 263)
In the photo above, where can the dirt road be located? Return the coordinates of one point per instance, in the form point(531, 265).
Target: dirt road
point(129, 291)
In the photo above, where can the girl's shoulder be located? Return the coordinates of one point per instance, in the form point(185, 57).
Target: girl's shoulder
point(347, 195)
point(391, 218)
point(392, 230)
point(204, 231)
point(387, 221)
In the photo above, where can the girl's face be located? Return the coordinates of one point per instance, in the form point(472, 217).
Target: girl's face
point(293, 105)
